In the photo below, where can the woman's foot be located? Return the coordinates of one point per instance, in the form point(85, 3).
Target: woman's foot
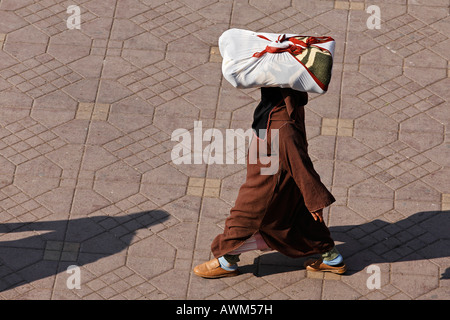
point(213, 270)
point(316, 265)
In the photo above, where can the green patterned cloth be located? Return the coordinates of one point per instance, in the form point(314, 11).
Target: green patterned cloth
point(318, 61)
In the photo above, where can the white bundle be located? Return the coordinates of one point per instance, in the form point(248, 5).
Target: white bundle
point(253, 59)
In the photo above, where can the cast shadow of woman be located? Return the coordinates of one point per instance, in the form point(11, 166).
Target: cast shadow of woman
point(49, 247)
point(423, 235)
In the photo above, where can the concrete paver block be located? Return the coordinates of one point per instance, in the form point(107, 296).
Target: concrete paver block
point(87, 178)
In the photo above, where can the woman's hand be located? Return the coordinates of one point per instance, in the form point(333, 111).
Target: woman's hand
point(318, 215)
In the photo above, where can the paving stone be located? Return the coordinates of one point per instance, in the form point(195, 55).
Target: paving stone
point(215, 55)
point(339, 127)
point(87, 176)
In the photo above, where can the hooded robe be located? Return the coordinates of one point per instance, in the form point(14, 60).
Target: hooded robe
point(279, 205)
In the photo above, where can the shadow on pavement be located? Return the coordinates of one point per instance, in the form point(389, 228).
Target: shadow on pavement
point(424, 235)
point(36, 250)
point(446, 274)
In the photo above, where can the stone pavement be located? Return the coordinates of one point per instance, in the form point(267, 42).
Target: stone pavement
point(87, 180)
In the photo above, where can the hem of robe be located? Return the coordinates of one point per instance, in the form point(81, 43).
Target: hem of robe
point(285, 250)
point(318, 246)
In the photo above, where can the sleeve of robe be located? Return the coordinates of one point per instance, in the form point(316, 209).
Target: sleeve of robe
point(296, 161)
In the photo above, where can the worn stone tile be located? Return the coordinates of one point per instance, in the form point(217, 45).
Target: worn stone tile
point(212, 183)
point(214, 55)
point(204, 187)
point(194, 191)
point(211, 192)
point(342, 5)
point(445, 201)
point(87, 138)
point(339, 127)
point(100, 112)
point(84, 111)
point(356, 6)
point(196, 182)
point(60, 250)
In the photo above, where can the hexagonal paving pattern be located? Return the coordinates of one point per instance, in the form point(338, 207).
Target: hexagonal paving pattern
point(86, 123)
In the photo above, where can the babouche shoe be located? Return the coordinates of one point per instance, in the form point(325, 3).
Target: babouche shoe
point(316, 265)
point(211, 269)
